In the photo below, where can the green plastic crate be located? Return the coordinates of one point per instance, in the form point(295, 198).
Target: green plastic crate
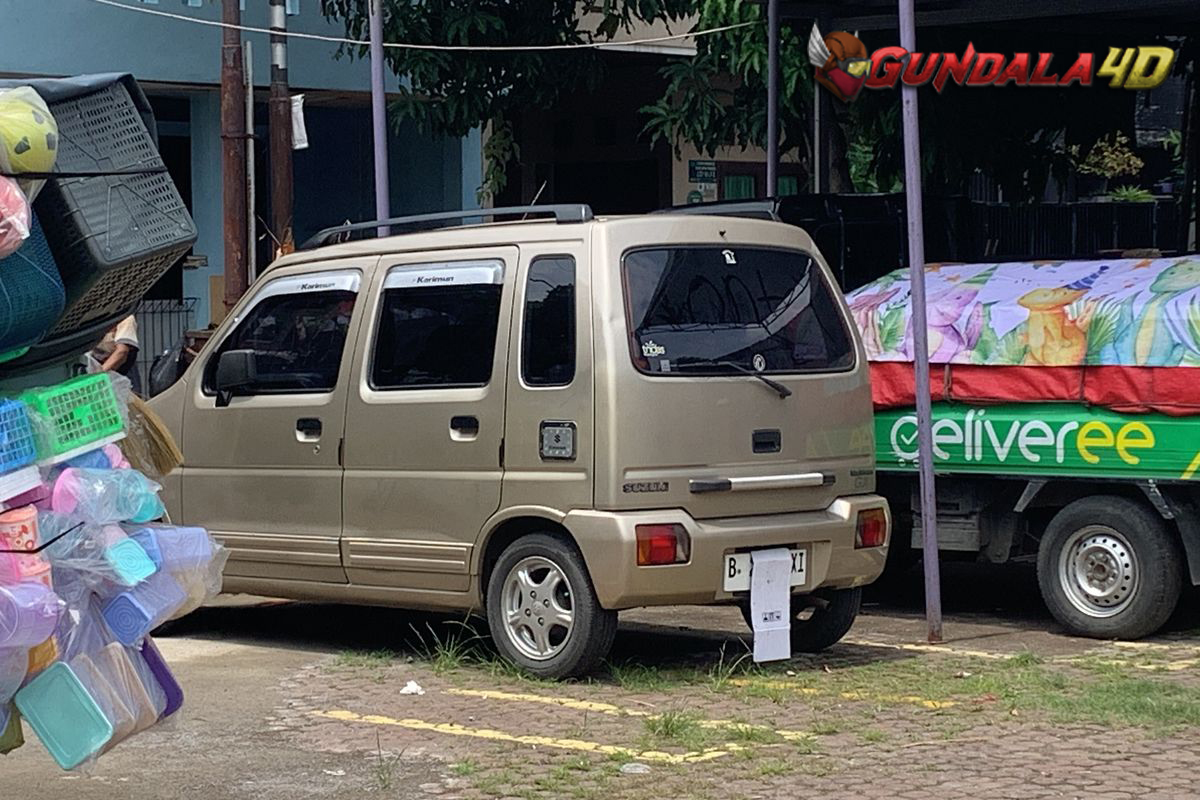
point(73, 415)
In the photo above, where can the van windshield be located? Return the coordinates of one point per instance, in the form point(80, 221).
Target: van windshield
point(721, 311)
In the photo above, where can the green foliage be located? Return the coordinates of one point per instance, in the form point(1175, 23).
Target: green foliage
point(718, 98)
point(891, 328)
point(1131, 194)
point(988, 343)
point(451, 93)
point(1109, 157)
point(1102, 330)
point(1013, 345)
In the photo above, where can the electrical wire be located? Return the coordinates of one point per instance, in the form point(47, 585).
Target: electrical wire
point(407, 46)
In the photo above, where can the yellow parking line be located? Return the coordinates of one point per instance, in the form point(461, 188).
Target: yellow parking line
point(800, 688)
point(1177, 665)
point(614, 710)
point(931, 648)
point(1157, 647)
point(578, 745)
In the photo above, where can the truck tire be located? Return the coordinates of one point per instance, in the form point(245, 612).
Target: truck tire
point(828, 622)
point(542, 610)
point(1109, 568)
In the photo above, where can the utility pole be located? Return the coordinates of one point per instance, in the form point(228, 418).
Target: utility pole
point(772, 98)
point(916, 269)
point(233, 152)
point(379, 115)
point(281, 131)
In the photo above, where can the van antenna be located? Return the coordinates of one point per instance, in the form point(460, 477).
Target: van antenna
point(541, 189)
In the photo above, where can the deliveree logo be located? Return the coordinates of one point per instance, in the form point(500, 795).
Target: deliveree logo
point(844, 68)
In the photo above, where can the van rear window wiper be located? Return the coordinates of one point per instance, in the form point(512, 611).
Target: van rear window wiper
point(780, 389)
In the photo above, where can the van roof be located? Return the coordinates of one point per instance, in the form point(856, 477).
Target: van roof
point(682, 226)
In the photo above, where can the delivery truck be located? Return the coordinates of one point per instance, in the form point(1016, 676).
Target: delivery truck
point(1066, 426)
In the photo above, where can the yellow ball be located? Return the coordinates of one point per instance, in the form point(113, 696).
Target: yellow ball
point(28, 136)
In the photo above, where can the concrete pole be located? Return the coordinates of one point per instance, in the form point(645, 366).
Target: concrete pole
point(916, 266)
point(772, 98)
point(233, 153)
point(251, 178)
point(280, 117)
point(379, 116)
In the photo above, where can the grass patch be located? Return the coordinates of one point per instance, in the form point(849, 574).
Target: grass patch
point(1084, 691)
point(748, 733)
point(450, 648)
point(635, 677)
point(774, 767)
point(673, 725)
point(465, 767)
point(726, 668)
point(364, 659)
point(873, 736)
point(825, 728)
point(680, 728)
point(496, 783)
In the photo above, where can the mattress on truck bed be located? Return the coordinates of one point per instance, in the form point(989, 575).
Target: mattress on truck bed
point(1122, 334)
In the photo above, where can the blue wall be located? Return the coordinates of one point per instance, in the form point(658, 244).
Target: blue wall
point(66, 37)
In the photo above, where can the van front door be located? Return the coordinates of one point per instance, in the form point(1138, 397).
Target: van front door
point(262, 472)
point(425, 422)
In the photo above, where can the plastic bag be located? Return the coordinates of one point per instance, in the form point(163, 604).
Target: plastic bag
point(15, 217)
point(106, 495)
point(28, 137)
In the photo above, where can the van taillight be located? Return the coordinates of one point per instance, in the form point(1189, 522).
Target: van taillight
point(662, 544)
point(872, 528)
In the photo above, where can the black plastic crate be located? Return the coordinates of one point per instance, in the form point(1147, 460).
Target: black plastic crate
point(31, 294)
point(113, 236)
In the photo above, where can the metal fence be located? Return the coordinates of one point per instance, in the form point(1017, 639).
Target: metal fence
point(161, 323)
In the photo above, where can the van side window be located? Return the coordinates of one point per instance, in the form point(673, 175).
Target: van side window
point(297, 341)
point(548, 336)
point(436, 335)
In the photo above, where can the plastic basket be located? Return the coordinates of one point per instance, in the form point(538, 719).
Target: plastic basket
point(112, 236)
point(16, 436)
point(75, 415)
point(31, 293)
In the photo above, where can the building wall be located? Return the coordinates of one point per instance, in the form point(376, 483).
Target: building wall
point(682, 187)
point(67, 37)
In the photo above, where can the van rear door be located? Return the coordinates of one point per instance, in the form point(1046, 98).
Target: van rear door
point(747, 393)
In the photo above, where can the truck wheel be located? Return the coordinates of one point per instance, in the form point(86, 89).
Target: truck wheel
point(543, 612)
point(829, 619)
point(1109, 568)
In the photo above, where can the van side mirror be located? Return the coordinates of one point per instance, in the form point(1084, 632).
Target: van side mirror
point(236, 370)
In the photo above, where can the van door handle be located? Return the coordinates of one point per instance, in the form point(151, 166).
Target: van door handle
point(308, 429)
point(464, 428)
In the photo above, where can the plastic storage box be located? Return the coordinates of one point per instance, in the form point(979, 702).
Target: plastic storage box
point(112, 236)
point(16, 435)
point(31, 294)
point(75, 416)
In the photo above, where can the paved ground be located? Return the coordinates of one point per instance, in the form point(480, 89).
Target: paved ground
point(295, 700)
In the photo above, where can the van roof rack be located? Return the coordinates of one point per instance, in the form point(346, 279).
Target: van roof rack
point(574, 212)
point(766, 208)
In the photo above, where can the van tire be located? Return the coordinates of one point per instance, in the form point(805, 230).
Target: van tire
point(592, 630)
point(1095, 546)
point(826, 626)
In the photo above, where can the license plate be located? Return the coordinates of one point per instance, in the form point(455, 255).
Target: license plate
point(737, 570)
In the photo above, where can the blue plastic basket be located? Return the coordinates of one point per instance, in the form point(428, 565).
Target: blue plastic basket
point(31, 292)
point(17, 447)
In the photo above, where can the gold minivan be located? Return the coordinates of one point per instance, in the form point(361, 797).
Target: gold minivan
point(547, 421)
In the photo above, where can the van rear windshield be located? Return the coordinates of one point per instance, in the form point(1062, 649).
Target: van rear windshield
point(719, 311)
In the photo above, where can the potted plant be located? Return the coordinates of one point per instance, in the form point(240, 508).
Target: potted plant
point(1131, 194)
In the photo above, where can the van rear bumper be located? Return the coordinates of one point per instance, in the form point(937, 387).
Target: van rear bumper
point(609, 546)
